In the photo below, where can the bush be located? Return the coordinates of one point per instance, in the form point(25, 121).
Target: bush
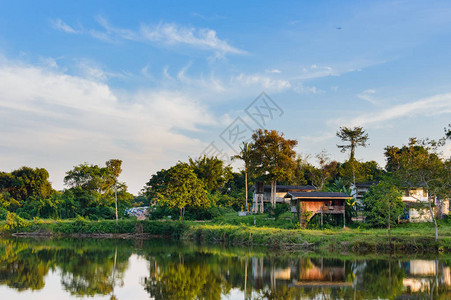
point(3, 214)
point(13, 222)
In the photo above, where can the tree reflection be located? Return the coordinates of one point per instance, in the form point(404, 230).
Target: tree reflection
point(85, 271)
point(92, 267)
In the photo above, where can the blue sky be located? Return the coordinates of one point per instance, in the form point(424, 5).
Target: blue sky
point(154, 82)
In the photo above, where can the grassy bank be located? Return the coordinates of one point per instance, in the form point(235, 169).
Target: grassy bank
point(407, 238)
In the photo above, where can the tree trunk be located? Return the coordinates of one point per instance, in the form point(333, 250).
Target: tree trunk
point(115, 200)
point(434, 220)
point(273, 193)
point(389, 227)
point(245, 182)
point(432, 216)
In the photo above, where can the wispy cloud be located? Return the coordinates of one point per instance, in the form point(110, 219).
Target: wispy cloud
point(274, 71)
point(434, 105)
point(62, 26)
point(265, 82)
point(170, 34)
point(368, 95)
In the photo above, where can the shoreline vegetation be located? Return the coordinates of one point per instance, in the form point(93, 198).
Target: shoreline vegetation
point(406, 239)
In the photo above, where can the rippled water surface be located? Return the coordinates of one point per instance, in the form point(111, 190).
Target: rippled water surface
point(160, 269)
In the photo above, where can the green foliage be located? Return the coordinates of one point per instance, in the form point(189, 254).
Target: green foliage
point(280, 209)
point(24, 183)
point(14, 222)
point(211, 171)
point(381, 203)
point(3, 214)
point(183, 189)
point(156, 185)
point(272, 157)
point(159, 212)
point(355, 136)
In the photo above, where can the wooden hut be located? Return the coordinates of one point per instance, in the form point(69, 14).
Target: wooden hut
point(309, 204)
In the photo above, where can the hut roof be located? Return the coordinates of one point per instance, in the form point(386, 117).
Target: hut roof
point(317, 195)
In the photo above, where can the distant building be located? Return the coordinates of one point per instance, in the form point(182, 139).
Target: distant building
point(262, 194)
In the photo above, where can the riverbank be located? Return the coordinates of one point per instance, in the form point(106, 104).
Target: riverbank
point(407, 238)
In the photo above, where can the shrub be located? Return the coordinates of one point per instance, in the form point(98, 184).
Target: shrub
point(3, 214)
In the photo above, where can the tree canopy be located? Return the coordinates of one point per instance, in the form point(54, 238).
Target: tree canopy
point(355, 136)
point(272, 157)
point(183, 189)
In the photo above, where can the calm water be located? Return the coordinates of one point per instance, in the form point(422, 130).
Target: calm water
point(116, 269)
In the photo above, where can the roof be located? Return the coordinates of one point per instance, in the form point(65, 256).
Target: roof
point(366, 184)
point(317, 195)
point(287, 188)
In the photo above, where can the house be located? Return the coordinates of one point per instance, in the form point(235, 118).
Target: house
point(262, 194)
point(417, 208)
point(415, 199)
point(309, 204)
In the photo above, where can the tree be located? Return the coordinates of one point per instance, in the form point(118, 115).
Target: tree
point(383, 205)
point(211, 171)
point(272, 158)
point(96, 188)
point(183, 189)
point(26, 182)
point(88, 177)
point(114, 170)
point(156, 185)
point(355, 136)
point(321, 175)
point(244, 155)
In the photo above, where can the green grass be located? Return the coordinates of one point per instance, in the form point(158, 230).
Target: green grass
point(231, 230)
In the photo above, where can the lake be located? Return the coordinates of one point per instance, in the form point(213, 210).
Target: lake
point(161, 269)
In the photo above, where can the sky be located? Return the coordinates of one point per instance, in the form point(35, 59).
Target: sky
point(156, 82)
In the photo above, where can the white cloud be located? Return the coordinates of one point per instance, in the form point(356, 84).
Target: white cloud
point(172, 34)
point(274, 71)
point(164, 33)
point(265, 82)
point(62, 26)
point(367, 95)
point(434, 105)
point(61, 120)
point(303, 89)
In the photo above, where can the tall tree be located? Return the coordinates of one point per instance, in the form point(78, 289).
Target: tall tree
point(183, 189)
point(272, 158)
point(244, 155)
point(114, 170)
point(355, 136)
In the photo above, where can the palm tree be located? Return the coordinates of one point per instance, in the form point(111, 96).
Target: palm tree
point(245, 157)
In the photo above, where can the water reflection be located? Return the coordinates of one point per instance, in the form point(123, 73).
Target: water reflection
point(185, 271)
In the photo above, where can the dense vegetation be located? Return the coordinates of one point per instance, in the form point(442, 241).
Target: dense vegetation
point(205, 188)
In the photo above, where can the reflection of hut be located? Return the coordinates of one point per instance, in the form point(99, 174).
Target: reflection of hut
point(321, 203)
point(313, 275)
